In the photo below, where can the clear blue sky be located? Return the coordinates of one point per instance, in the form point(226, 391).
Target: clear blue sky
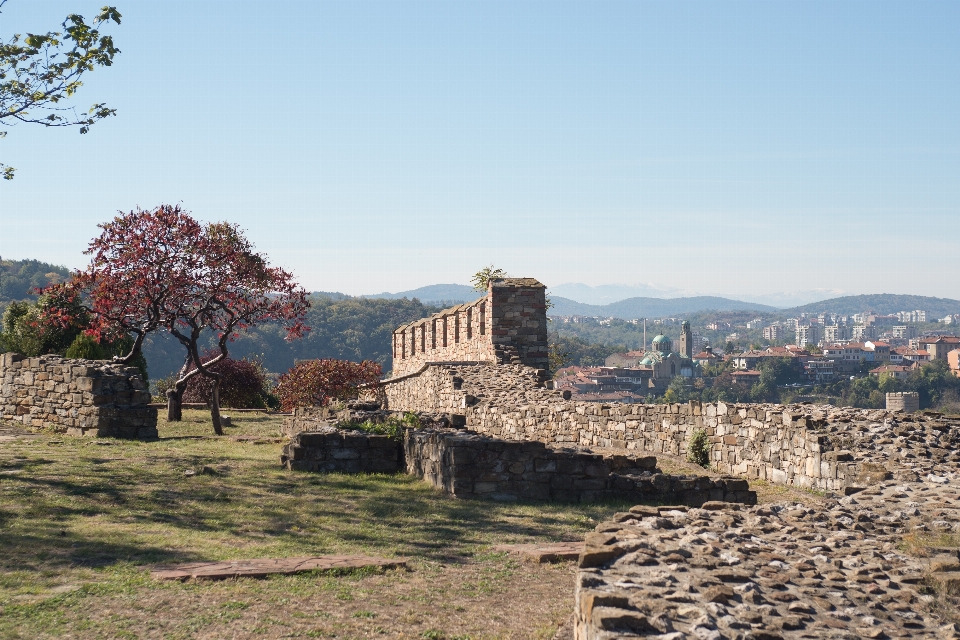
point(722, 147)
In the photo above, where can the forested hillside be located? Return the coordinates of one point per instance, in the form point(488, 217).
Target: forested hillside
point(348, 328)
point(18, 277)
point(885, 303)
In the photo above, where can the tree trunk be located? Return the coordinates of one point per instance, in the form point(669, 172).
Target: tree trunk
point(175, 404)
point(215, 407)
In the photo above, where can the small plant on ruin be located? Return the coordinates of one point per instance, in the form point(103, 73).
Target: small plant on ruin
point(481, 279)
point(698, 452)
point(392, 426)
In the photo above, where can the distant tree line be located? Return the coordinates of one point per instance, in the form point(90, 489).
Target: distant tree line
point(19, 277)
point(355, 329)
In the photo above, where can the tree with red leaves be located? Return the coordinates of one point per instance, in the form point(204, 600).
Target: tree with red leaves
point(317, 382)
point(141, 274)
point(234, 289)
point(161, 269)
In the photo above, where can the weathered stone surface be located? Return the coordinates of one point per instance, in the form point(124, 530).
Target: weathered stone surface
point(342, 450)
point(772, 571)
point(263, 567)
point(543, 553)
point(809, 446)
point(508, 325)
point(469, 465)
point(76, 397)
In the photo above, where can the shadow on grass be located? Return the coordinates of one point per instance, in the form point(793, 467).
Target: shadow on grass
point(255, 510)
point(40, 546)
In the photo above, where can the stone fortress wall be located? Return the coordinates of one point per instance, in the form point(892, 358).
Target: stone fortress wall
point(76, 397)
point(507, 325)
point(816, 447)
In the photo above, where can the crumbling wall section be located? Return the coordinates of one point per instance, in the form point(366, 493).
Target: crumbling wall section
point(817, 447)
point(507, 326)
point(76, 397)
point(468, 465)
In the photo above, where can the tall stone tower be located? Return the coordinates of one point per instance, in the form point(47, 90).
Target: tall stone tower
point(686, 340)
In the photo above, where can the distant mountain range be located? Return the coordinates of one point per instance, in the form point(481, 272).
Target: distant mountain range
point(653, 307)
point(882, 303)
point(610, 293)
point(434, 293)
point(659, 307)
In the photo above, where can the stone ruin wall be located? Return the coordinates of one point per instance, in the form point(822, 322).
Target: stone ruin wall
point(507, 325)
point(469, 465)
point(76, 397)
point(906, 401)
point(801, 445)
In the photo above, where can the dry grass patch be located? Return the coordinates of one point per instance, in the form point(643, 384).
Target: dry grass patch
point(80, 519)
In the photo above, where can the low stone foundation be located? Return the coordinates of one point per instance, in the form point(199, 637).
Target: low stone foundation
point(468, 465)
point(344, 451)
point(76, 397)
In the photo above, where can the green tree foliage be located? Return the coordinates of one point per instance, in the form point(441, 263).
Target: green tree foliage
point(85, 347)
point(49, 325)
point(346, 329)
point(481, 279)
point(676, 391)
point(38, 72)
point(698, 451)
point(18, 278)
point(581, 353)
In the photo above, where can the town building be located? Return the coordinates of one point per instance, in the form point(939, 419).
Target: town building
point(904, 332)
point(937, 346)
point(953, 359)
point(808, 334)
point(892, 370)
point(773, 333)
point(628, 359)
point(819, 370)
point(834, 333)
point(864, 332)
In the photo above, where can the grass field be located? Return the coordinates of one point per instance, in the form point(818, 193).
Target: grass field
point(80, 520)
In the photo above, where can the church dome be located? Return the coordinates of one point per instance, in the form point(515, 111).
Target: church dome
point(661, 343)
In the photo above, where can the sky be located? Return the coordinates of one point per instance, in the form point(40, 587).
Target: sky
point(734, 148)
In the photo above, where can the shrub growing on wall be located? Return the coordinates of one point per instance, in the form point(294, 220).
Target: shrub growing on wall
point(698, 451)
point(244, 384)
point(317, 382)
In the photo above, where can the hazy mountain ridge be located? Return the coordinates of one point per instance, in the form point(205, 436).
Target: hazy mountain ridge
point(454, 293)
point(882, 303)
point(653, 307)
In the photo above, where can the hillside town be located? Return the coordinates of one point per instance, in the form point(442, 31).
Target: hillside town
point(821, 349)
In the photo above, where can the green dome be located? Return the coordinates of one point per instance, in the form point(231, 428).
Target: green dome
point(661, 343)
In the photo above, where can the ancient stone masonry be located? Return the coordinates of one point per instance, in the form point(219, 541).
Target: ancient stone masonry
point(774, 571)
point(468, 465)
point(472, 466)
point(344, 451)
point(507, 325)
point(77, 397)
point(809, 446)
point(906, 401)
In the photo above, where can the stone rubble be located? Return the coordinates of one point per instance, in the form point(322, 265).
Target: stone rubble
point(774, 571)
